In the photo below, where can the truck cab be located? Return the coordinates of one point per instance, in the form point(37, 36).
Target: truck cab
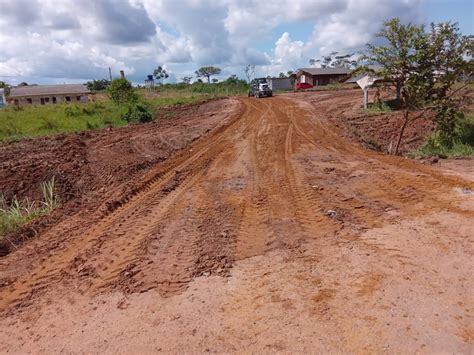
point(260, 88)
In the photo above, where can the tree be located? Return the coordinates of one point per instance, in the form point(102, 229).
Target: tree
point(426, 66)
point(249, 72)
point(98, 85)
point(333, 60)
point(4, 85)
point(23, 83)
point(289, 73)
point(187, 79)
point(121, 92)
point(207, 72)
point(160, 74)
point(233, 79)
point(282, 75)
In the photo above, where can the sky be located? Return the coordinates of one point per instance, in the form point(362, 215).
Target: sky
point(68, 41)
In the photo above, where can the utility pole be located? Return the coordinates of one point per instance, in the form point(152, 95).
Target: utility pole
point(110, 74)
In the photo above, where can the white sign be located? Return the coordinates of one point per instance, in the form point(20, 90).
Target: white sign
point(366, 81)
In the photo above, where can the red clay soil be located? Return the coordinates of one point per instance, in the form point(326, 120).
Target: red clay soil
point(378, 131)
point(92, 167)
point(273, 233)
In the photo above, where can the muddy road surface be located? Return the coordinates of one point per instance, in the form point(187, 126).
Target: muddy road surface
point(275, 233)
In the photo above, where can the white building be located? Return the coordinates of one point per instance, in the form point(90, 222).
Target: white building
point(48, 94)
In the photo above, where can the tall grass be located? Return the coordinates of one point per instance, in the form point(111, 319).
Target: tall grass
point(15, 214)
point(463, 144)
point(37, 120)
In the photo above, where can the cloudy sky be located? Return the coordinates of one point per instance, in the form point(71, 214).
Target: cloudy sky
point(57, 41)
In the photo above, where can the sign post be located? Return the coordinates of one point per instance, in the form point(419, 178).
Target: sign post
point(365, 83)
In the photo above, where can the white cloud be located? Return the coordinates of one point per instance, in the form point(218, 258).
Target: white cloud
point(80, 39)
point(352, 28)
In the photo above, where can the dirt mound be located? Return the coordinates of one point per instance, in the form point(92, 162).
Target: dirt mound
point(92, 167)
point(377, 131)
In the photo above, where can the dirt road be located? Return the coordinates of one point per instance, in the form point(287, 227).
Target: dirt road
point(272, 234)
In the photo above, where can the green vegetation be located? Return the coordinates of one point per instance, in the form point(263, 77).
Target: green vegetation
point(98, 85)
point(17, 213)
point(32, 121)
point(462, 143)
point(138, 113)
point(18, 122)
point(382, 106)
point(121, 92)
point(229, 87)
point(430, 68)
point(207, 72)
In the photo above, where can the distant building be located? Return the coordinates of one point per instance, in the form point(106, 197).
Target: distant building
point(48, 94)
point(320, 76)
point(3, 100)
point(281, 83)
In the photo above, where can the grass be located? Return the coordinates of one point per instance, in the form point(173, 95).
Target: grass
point(32, 121)
point(36, 120)
point(463, 144)
point(17, 213)
point(382, 107)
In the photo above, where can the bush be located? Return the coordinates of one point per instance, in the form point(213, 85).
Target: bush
point(72, 111)
point(460, 144)
point(138, 113)
point(49, 124)
point(121, 92)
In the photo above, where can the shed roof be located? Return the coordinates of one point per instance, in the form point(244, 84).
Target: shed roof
point(326, 71)
point(278, 78)
point(38, 90)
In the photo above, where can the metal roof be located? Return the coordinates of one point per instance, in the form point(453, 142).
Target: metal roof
point(326, 71)
point(39, 90)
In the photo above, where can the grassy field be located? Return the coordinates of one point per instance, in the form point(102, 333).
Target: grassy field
point(33, 121)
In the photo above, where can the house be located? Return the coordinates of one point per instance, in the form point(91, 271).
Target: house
point(281, 83)
point(320, 76)
point(48, 94)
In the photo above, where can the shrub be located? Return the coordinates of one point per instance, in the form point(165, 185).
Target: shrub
point(121, 92)
point(91, 125)
point(87, 110)
point(49, 124)
point(138, 113)
point(72, 111)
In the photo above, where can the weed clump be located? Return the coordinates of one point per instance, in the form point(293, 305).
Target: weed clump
point(15, 214)
point(138, 113)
